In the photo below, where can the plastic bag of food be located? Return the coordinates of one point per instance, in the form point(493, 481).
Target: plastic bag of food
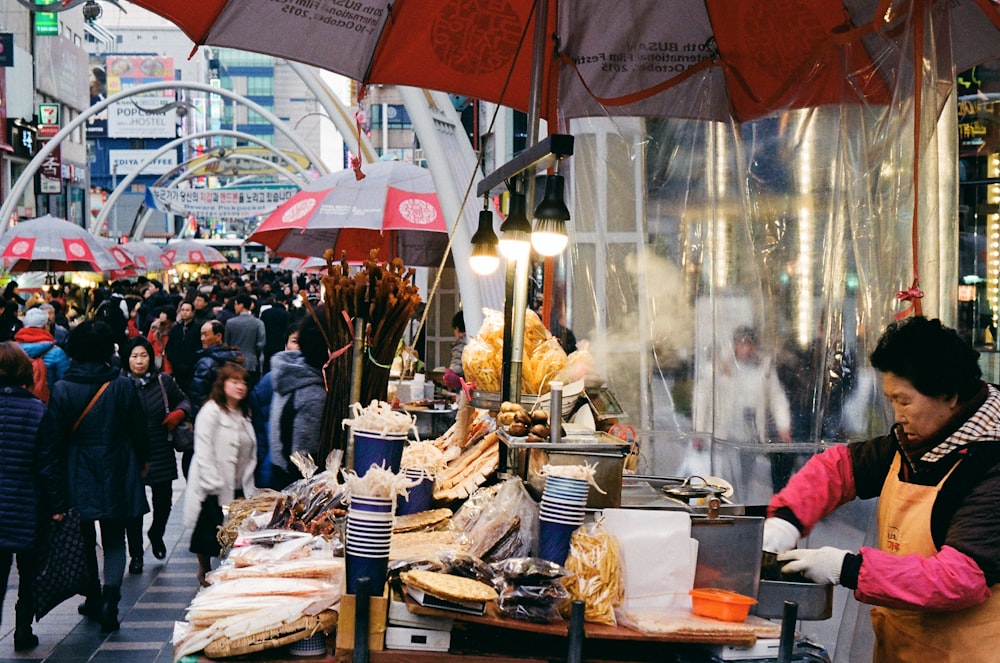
point(580, 365)
point(506, 527)
point(530, 588)
point(544, 363)
point(595, 561)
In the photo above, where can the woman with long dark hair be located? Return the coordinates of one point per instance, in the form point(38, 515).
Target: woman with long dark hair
point(165, 406)
point(225, 455)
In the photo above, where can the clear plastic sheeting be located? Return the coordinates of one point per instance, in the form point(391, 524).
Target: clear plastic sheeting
point(733, 278)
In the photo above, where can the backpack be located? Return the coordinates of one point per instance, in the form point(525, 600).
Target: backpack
point(41, 375)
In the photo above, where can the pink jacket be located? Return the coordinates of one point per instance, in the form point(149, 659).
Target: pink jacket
point(949, 580)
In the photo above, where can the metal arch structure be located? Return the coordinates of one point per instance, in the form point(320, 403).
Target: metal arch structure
point(335, 109)
point(17, 190)
point(138, 229)
point(124, 184)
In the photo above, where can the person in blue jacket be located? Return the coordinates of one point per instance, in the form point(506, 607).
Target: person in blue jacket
point(30, 490)
point(36, 340)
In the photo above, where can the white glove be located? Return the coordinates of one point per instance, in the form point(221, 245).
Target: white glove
point(821, 565)
point(779, 535)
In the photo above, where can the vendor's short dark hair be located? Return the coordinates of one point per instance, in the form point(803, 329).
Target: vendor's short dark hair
point(91, 341)
point(458, 321)
point(933, 357)
point(312, 344)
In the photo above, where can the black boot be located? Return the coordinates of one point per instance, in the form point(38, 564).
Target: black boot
point(109, 608)
point(24, 639)
point(92, 606)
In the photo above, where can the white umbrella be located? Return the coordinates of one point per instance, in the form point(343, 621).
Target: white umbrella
point(190, 252)
point(50, 244)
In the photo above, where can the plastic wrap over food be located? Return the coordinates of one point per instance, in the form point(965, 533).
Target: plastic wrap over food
point(595, 562)
point(530, 588)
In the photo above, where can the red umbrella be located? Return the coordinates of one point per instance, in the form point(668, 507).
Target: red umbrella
point(393, 209)
point(50, 244)
point(683, 58)
point(148, 257)
point(191, 252)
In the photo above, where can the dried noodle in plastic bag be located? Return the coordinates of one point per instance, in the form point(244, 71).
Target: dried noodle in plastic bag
point(595, 561)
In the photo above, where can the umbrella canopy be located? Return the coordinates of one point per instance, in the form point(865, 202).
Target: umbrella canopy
point(690, 58)
point(50, 244)
point(191, 252)
point(148, 257)
point(302, 264)
point(114, 260)
point(393, 209)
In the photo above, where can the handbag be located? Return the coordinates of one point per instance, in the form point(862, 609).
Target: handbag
point(63, 571)
point(181, 438)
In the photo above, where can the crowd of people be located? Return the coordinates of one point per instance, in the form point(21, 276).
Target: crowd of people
point(101, 390)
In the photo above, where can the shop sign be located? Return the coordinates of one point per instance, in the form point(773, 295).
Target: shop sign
point(7, 49)
point(48, 120)
point(21, 137)
point(46, 23)
point(126, 162)
point(50, 172)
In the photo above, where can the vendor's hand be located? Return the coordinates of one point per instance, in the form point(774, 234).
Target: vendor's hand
point(174, 419)
point(451, 380)
point(58, 516)
point(821, 565)
point(779, 535)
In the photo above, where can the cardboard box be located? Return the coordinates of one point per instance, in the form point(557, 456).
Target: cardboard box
point(377, 616)
point(419, 639)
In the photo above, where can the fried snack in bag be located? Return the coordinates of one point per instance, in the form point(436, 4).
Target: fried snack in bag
point(541, 367)
point(595, 561)
point(483, 364)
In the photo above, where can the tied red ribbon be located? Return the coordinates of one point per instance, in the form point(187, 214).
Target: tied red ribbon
point(333, 355)
point(913, 294)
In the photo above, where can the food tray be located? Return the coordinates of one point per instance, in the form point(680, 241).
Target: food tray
point(815, 601)
point(720, 604)
point(491, 400)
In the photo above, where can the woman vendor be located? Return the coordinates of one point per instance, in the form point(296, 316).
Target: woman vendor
point(937, 473)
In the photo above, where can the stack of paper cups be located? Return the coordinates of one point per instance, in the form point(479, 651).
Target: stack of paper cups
point(369, 534)
point(562, 511)
point(379, 449)
point(418, 498)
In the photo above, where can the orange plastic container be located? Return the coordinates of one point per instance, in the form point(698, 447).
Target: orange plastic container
point(720, 604)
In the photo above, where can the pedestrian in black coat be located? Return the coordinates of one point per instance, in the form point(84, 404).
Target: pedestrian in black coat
point(30, 490)
point(98, 426)
point(165, 406)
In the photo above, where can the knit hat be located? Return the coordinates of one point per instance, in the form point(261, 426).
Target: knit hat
point(36, 317)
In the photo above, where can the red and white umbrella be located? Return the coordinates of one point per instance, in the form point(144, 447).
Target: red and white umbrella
point(302, 264)
point(394, 209)
point(148, 257)
point(50, 244)
point(190, 252)
point(114, 261)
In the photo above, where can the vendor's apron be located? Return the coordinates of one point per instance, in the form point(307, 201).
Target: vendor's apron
point(919, 636)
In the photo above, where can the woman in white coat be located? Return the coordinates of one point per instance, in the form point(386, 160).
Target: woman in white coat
point(225, 455)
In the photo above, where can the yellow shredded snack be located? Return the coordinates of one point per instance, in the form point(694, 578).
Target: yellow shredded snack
point(595, 562)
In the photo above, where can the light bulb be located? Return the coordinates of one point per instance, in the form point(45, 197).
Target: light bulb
point(549, 237)
point(515, 240)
